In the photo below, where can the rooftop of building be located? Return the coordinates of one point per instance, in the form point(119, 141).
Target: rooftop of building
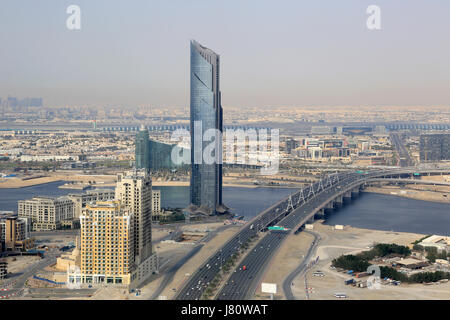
point(134, 174)
point(436, 239)
point(37, 198)
point(203, 49)
point(104, 204)
point(93, 191)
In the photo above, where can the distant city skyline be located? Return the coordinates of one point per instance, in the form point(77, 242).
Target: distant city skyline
point(295, 54)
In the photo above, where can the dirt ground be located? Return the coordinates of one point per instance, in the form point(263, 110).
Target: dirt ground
point(19, 263)
point(158, 233)
point(56, 239)
point(57, 176)
point(418, 192)
point(286, 259)
point(352, 240)
point(202, 227)
point(109, 180)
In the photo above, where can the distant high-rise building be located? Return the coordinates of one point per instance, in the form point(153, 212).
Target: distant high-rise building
point(153, 155)
point(434, 147)
point(206, 109)
point(156, 202)
point(12, 102)
point(291, 144)
point(142, 150)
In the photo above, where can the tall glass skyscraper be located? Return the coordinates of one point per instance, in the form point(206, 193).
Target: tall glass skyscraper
point(206, 110)
point(142, 150)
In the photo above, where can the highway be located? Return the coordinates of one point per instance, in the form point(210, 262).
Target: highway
point(200, 280)
point(168, 276)
point(242, 284)
point(405, 158)
point(306, 203)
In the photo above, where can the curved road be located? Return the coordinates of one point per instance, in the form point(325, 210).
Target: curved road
point(288, 282)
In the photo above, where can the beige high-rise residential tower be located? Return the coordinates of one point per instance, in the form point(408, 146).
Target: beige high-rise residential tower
point(134, 191)
point(107, 243)
point(116, 237)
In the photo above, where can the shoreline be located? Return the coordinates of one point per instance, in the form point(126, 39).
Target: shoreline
point(15, 183)
point(441, 196)
point(414, 194)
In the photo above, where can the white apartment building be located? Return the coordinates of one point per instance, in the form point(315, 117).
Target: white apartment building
point(46, 213)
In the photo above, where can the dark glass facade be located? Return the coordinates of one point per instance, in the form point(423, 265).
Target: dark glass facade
point(142, 152)
point(434, 147)
point(153, 155)
point(206, 109)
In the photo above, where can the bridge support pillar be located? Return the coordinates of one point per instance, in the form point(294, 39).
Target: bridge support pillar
point(355, 195)
point(338, 201)
point(347, 197)
point(320, 214)
point(328, 208)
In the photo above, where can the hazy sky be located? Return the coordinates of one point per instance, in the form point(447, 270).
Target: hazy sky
point(316, 52)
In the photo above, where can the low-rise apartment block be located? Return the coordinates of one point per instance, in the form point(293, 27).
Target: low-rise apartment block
point(47, 213)
point(80, 200)
point(14, 233)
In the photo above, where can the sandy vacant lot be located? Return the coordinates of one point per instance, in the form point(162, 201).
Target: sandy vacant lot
point(333, 244)
point(286, 259)
point(418, 192)
point(354, 240)
point(19, 263)
point(57, 176)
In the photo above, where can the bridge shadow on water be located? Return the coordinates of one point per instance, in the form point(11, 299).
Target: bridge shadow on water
point(391, 213)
